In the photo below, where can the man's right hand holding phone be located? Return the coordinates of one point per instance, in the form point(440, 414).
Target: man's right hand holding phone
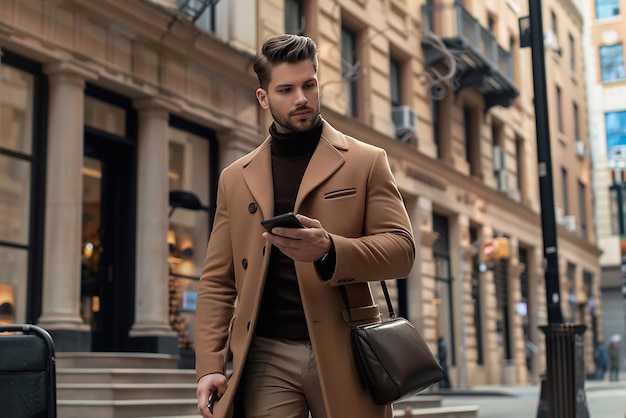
point(210, 388)
point(301, 244)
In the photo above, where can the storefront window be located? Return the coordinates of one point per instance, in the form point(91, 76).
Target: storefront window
point(189, 228)
point(16, 124)
point(13, 273)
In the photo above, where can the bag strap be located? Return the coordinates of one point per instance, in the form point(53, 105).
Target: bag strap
point(344, 295)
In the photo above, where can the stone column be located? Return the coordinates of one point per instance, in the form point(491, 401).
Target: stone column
point(151, 331)
point(63, 217)
point(425, 237)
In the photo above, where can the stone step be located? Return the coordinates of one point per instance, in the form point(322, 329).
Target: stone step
point(470, 411)
point(127, 408)
point(125, 391)
point(116, 360)
point(420, 401)
point(116, 376)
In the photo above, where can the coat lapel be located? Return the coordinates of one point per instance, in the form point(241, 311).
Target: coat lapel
point(326, 160)
point(257, 174)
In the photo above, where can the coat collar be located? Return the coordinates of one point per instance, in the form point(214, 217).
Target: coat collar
point(326, 160)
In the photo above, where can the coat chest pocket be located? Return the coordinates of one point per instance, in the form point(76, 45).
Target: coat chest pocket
point(337, 194)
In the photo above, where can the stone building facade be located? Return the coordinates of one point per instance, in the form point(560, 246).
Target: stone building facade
point(605, 36)
point(108, 107)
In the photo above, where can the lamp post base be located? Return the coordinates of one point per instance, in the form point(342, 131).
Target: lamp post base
point(563, 384)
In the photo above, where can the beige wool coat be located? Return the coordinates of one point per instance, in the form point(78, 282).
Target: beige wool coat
point(349, 187)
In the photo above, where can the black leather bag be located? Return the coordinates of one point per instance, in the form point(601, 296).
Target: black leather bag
point(393, 359)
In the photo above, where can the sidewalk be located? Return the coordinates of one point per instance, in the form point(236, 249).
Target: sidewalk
point(521, 390)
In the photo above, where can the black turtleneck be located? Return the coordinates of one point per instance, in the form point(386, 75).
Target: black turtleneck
point(281, 314)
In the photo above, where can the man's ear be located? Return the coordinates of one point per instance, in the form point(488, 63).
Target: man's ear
point(261, 96)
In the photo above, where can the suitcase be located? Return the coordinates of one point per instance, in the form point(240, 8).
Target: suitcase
point(27, 372)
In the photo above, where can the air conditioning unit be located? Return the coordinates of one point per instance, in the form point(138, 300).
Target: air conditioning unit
point(499, 159)
point(558, 215)
point(569, 222)
point(502, 178)
point(515, 194)
point(581, 149)
point(550, 41)
point(405, 121)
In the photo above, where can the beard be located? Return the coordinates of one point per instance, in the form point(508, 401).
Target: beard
point(302, 125)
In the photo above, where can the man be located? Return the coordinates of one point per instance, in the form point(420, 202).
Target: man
point(270, 302)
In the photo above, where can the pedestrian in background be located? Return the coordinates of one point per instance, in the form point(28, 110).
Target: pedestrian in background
point(442, 355)
point(270, 302)
point(614, 360)
point(601, 360)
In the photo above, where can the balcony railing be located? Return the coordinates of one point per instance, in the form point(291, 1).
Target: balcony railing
point(480, 61)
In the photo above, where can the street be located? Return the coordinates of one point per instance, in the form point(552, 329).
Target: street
point(604, 400)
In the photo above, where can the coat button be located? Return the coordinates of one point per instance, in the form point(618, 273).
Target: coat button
point(244, 263)
point(252, 207)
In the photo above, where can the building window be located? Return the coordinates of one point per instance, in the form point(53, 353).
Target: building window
point(615, 206)
point(582, 208)
point(612, 62)
point(559, 109)
point(555, 26)
point(476, 299)
point(607, 8)
point(616, 134)
point(294, 17)
point(471, 130)
point(207, 9)
point(191, 170)
point(350, 70)
point(571, 282)
point(499, 156)
point(503, 318)
point(576, 121)
point(523, 310)
point(564, 194)
point(21, 188)
point(521, 167)
point(572, 54)
point(395, 82)
point(443, 284)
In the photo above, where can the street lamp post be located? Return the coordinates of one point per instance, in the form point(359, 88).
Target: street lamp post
point(564, 377)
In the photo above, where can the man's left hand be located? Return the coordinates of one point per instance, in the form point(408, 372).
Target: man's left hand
point(301, 244)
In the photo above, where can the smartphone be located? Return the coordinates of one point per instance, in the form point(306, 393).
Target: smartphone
point(286, 220)
point(212, 399)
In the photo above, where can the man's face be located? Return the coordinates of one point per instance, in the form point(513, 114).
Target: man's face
point(292, 96)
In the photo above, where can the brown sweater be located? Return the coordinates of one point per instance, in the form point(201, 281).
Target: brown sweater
point(281, 314)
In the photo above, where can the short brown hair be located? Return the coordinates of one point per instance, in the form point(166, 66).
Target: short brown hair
point(280, 49)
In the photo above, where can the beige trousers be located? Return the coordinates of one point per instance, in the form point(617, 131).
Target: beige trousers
point(281, 380)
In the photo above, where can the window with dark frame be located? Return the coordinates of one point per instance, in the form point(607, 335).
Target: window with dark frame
point(564, 193)
point(615, 123)
point(350, 69)
point(572, 54)
point(395, 82)
point(22, 166)
point(612, 62)
point(443, 284)
point(472, 140)
point(294, 17)
point(476, 299)
point(207, 20)
point(582, 208)
point(607, 9)
point(576, 121)
point(559, 109)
